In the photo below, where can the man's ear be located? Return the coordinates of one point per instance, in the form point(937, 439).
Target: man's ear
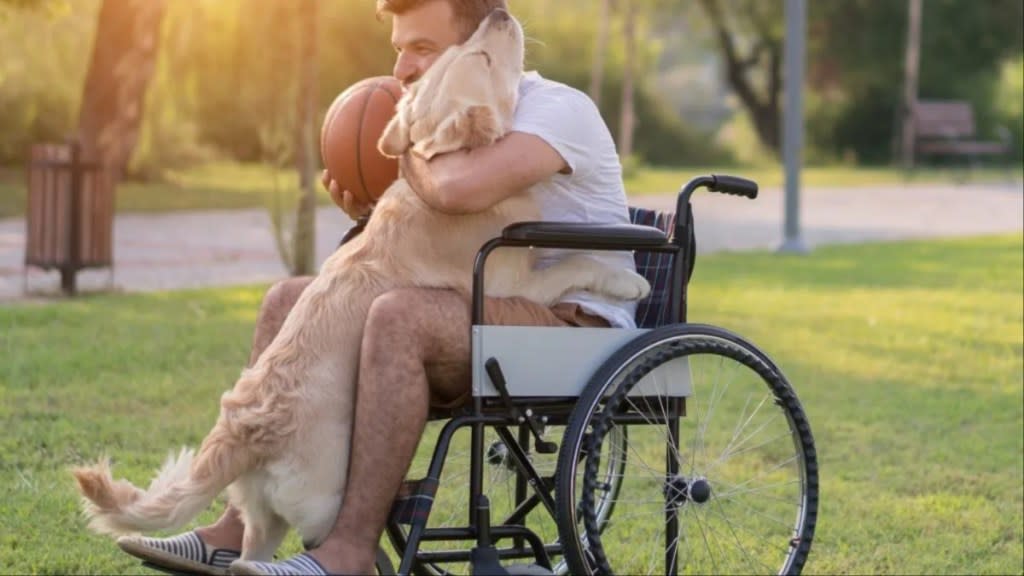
point(395, 139)
point(472, 127)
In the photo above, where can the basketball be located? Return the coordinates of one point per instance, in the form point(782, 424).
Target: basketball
point(349, 135)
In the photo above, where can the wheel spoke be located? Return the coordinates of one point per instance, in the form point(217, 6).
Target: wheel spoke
point(739, 497)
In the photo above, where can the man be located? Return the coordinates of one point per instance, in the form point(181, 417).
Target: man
point(415, 349)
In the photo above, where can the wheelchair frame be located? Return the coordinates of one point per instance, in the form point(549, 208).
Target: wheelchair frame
point(506, 412)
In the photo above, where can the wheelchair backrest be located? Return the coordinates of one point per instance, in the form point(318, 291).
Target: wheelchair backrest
point(656, 267)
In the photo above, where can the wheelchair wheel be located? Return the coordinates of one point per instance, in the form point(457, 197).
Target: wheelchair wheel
point(724, 480)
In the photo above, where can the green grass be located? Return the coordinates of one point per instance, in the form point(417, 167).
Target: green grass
point(222, 186)
point(664, 180)
point(908, 358)
point(229, 186)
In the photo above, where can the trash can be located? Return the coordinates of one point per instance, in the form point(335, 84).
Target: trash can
point(70, 213)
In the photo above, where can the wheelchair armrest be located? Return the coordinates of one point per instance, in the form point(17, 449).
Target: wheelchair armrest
point(579, 235)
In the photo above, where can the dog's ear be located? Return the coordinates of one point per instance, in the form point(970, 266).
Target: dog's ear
point(472, 127)
point(395, 140)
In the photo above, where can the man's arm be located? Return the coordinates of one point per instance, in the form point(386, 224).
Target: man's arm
point(473, 180)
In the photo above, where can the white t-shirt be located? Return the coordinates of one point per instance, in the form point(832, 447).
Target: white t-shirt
point(592, 192)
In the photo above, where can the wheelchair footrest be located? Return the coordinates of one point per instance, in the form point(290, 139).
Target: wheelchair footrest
point(484, 562)
point(528, 570)
point(413, 503)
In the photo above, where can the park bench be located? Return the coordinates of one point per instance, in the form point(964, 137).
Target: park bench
point(947, 128)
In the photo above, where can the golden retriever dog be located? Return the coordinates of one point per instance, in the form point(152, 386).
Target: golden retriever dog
point(281, 441)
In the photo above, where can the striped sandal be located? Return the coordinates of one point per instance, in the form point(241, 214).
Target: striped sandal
point(303, 564)
point(182, 553)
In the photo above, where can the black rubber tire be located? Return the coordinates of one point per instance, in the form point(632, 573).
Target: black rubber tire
point(593, 418)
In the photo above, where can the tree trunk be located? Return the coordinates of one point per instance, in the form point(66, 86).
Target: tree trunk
point(306, 153)
point(600, 50)
point(123, 61)
point(627, 120)
point(763, 109)
point(911, 63)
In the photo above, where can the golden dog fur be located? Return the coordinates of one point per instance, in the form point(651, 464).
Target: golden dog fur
point(281, 442)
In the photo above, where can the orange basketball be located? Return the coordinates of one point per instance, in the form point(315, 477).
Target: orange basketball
point(351, 129)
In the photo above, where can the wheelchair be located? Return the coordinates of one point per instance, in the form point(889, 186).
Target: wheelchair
point(670, 448)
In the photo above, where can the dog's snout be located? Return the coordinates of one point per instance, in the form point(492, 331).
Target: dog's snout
point(500, 15)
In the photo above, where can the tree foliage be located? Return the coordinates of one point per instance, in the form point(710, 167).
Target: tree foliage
point(226, 79)
point(856, 66)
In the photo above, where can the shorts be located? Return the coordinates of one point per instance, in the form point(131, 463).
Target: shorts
point(523, 312)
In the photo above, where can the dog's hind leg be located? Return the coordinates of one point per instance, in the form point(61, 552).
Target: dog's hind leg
point(264, 532)
point(319, 520)
point(264, 528)
point(312, 504)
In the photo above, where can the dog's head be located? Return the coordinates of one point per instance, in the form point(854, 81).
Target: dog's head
point(466, 99)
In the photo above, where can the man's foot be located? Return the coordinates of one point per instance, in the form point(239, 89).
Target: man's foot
point(303, 564)
point(185, 553)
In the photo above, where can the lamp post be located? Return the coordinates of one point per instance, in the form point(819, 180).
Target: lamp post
point(793, 118)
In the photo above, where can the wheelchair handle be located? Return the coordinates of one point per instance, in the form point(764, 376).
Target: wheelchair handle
point(715, 183)
point(733, 185)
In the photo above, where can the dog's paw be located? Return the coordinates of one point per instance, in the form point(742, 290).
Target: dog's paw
point(624, 285)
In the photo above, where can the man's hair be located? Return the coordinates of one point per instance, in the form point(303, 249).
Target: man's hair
point(468, 14)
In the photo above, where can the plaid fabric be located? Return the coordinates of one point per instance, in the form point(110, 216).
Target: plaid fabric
point(413, 508)
point(656, 267)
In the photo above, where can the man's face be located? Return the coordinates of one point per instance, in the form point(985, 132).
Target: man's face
point(419, 36)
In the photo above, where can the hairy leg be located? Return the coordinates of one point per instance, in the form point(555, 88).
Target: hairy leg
point(412, 336)
point(228, 530)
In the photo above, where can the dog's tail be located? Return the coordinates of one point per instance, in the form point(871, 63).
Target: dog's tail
point(184, 487)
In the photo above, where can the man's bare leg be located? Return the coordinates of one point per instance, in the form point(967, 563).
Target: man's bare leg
point(227, 531)
point(409, 332)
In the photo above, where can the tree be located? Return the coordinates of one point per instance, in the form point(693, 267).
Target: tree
point(600, 50)
point(856, 66)
point(304, 250)
point(627, 115)
point(290, 134)
point(912, 62)
point(122, 64)
point(755, 75)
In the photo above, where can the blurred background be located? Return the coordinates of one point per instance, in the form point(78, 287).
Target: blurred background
point(903, 328)
point(217, 104)
point(226, 76)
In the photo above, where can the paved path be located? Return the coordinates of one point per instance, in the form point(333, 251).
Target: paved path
point(193, 249)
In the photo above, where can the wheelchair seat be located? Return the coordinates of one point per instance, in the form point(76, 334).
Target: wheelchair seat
point(651, 312)
point(560, 360)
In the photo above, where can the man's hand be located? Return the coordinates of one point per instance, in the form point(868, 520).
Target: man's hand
point(352, 205)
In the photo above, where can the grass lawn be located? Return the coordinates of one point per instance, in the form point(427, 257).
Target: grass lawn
point(665, 180)
point(227, 186)
point(208, 187)
point(908, 358)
